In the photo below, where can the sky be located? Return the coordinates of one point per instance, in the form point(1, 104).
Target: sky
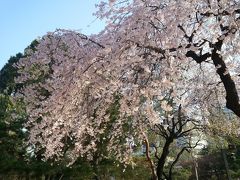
point(22, 21)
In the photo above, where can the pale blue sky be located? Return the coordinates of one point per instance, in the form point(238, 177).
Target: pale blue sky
point(21, 21)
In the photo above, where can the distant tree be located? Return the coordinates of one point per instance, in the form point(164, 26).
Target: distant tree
point(12, 117)
point(7, 75)
point(9, 71)
point(223, 129)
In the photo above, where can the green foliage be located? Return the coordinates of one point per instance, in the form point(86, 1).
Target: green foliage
point(182, 174)
point(111, 168)
point(7, 75)
point(235, 174)
point(33, 45)
point(82, 170)
point(9, 72)
point(12, 118)
point(11, 133)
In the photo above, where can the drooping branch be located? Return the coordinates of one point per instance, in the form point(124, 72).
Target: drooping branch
point(198, 58)
point(152, 166)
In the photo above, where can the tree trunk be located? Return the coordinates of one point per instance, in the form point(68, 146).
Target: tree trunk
point(152, 166)
point(163, 158)
point(95, 167)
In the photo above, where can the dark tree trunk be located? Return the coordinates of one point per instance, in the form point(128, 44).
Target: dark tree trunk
point(163, 158)
point(232, 99)
point(95, 167)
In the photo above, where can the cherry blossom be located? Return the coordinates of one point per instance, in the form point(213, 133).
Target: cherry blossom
point(152, 54)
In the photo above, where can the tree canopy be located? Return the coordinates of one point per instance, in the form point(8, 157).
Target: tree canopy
point(153, 55)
